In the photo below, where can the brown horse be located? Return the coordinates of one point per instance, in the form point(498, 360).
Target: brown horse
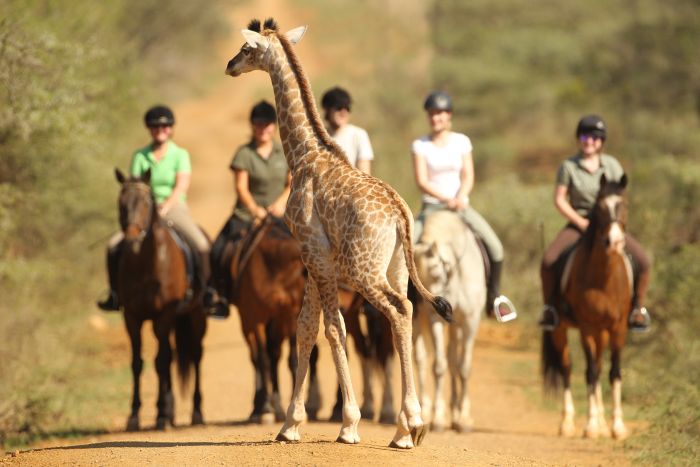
point(268, 291)
point(599, 292)
point(153, 285)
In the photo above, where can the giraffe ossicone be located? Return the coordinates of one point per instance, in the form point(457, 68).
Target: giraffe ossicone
point(352, 227)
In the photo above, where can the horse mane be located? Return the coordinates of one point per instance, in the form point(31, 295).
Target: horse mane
point(307, 97)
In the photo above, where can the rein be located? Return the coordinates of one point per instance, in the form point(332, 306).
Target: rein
point(250, 242)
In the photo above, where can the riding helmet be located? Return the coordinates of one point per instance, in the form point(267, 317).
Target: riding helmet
point(159, 115)
point(438, 100)
point(263, 112)
point(591, 125)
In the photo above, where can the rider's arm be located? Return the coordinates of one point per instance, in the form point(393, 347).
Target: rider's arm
point(182, 184)
point(561, 202)
point(364, 165)
point(243, 192)
point(420, 170)
point(278, 207)
point(466, 176)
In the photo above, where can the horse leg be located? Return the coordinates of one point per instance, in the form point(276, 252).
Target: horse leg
point(601, 344)
point(437, 330)
point(591, 350)
point(313, 402)
point(421, 357)
point(274, 353)
point(468, 335)
point(164, 357)
point(133, 327)
point(617, 341)
point(455, 333)
point(561, 345)
point(365, 346)
point(199, 330)
point(307, 332)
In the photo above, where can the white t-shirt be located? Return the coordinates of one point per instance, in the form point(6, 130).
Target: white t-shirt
point(444, 163)
point(355, 142)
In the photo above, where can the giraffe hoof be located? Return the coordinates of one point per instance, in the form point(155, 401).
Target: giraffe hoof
point(342, 440)
point(283, 439)
point(417, 434)
point(395, 445)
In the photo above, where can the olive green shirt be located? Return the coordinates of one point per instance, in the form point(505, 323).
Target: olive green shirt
point(583, 186)
point(163, 172)
point(266, 177)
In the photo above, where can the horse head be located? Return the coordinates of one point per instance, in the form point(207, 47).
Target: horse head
point(137, 208)
point(609, 215)
point(436, 264)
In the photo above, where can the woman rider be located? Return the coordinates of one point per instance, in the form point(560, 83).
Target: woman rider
point(444, 171)
point(577, 186)
point(262, 180)
point(171, 171)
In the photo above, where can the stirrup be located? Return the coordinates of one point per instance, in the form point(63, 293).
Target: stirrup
point(503, 316)
point(549, 324)
point(636, 326)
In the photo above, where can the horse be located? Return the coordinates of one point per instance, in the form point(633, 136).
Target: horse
point(153, 285)
point(598, 291)
point(450, 264)
point(268, 291)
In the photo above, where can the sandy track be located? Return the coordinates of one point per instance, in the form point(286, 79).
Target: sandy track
point(509, 428)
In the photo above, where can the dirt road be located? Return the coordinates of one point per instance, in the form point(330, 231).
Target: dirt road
point(509, 428)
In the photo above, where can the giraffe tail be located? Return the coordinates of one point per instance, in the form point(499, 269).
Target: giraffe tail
point(405, 232)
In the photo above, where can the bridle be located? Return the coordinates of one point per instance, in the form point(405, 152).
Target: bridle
point(125, 218)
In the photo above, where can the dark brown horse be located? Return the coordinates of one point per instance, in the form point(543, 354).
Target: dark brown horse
point(268, 291)
point(153, 285)
point(598, 291)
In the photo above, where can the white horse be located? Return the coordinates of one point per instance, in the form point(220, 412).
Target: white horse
point(449, 264)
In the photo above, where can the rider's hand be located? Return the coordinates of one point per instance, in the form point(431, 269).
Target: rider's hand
point(259, 213)
point(163, 209)
point(583, 224)
point(276, 209)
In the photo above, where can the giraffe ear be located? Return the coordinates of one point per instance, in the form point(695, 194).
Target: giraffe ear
point(295, 35)
point(255, 39)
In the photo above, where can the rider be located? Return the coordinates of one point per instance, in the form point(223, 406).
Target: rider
point(336, 103)
point(170, 178)
point(577, 186)
point(262, 181)
point(444, 171)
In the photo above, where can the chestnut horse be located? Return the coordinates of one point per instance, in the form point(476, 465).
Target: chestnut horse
point(153, 285)
point(268, 291)
point(599, 292)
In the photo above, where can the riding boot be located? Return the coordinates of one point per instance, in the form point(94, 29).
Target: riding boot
point(111, 303)
point(493, 286)
point(215, 296)
point(639, 319)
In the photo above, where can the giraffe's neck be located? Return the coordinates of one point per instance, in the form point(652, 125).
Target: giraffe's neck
point(300, 126)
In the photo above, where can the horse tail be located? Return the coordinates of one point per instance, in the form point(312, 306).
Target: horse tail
point(405, 232)
point(550, 364)
point(186, 347)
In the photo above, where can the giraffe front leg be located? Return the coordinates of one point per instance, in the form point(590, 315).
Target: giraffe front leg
point(307, 332)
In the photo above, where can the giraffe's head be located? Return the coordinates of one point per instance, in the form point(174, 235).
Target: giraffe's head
point(255, 52)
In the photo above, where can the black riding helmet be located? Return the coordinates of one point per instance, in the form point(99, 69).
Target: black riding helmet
point(264, 113)
point(438, 100)
point(591, 125)
point(159, 115)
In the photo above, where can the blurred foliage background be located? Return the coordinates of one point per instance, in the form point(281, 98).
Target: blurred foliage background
point(521, 74)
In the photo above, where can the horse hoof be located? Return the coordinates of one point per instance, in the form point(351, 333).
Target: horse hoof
point(267, 419)
point(417, 434)
point(311, 414)
point(197, 419)
point(367, 414)
point(437, 427)
point(462, 427)
point(162, 423)
point(132, 424)
point(336, 417)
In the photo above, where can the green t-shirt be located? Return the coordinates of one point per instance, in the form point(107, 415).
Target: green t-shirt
point(583, 186)
point(266, 177)
point(163, 172)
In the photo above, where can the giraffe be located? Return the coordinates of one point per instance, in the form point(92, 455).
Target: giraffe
point(352, 228)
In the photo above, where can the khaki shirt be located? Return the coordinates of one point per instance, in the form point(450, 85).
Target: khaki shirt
point(266, 177)
point(583, 186)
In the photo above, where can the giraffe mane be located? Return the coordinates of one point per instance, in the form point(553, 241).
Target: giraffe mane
point(308, 99)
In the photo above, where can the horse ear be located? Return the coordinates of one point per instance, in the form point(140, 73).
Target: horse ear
point(119, 176)
point(255, 39)
point(295, 35)
point(623, 181)
point(146, 177)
